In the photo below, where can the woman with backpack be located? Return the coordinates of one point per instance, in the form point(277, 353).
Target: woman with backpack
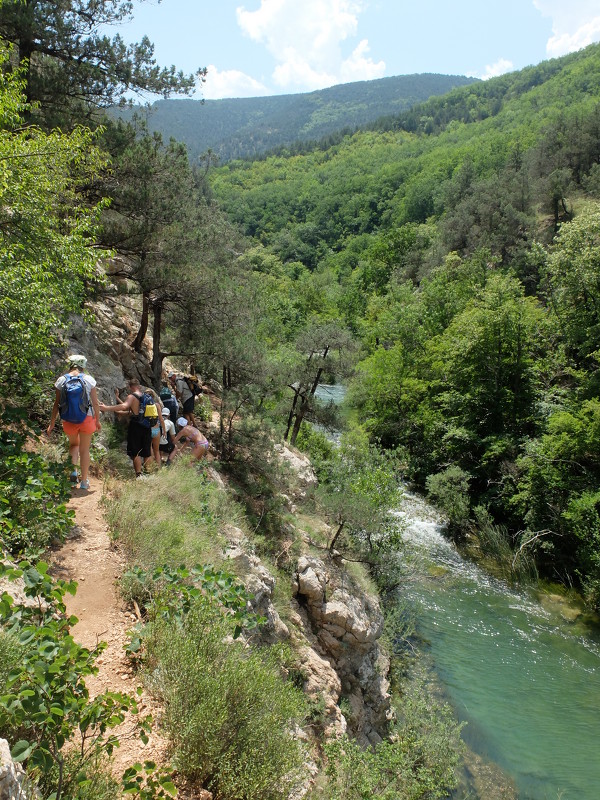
point(145, 415)
point(76, 401)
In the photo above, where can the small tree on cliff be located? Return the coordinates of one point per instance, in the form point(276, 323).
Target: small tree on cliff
point(357, 492)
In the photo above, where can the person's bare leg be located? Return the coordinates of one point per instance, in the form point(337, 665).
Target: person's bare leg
point(156, 450)
point(85, 440)
point(74, 448)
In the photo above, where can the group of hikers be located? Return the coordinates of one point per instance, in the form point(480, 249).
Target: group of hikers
point(151, 432)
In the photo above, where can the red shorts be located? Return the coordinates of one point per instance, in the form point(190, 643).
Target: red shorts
point(87, 426)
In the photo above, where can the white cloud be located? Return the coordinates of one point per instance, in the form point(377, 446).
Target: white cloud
point(360, 68)
point(230, 83)
point(493, 70)
point(574, 24)
point(306, 38)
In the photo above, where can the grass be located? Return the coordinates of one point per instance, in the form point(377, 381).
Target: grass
point(173, 517)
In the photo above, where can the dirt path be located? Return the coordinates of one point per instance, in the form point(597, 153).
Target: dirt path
point(89, 558)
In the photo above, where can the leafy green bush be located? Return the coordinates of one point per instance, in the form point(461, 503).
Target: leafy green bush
point(228, 711)
point(357, 492)
point(167, 594)
point(583, 518)
point(33, 493)
point(203, 409)
point(417, 763)
point(45, 701)
point(449, 490)
point(316, 445)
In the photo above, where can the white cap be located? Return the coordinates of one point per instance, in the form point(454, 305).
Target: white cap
point(166, 412)
point(182, 422)
point(77, 360)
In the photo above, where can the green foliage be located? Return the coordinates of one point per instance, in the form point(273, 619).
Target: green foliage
point(45, 253)
point(168, 594)
point(45, 701)
point(147, 781)
point(449, 490)
point(573, 279)
point(72, 65)
point(359, 488)
point(583, 518)
point(418, 762)
point(317, 446)
point(33, 492)
point(203, 409)
point(228, 712)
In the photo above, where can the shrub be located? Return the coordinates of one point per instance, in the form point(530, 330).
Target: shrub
point(449, 490)
point(45, 699)
point(228, 710)
point(316, 445)
point(33, 493)
point(417, 763)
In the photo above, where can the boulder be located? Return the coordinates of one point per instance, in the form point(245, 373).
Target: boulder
point(12, 776)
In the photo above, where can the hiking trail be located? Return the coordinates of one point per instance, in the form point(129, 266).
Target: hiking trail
point(89, 557)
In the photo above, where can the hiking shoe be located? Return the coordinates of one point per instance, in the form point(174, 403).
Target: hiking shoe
point(74, 477)
point(84, 485)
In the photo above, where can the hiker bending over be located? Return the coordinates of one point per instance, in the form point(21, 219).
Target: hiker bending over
point(76, 400)
point(145, 415)
point(194, 438)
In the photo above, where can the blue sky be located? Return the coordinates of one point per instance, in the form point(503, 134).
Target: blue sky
point(265, 47)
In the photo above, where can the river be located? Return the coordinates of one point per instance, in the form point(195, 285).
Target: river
point(523, 673)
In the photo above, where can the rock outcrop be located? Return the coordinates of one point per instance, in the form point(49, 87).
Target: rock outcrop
point(335, 638)
point(11, 775)
point(346, 625)
point(107, 344)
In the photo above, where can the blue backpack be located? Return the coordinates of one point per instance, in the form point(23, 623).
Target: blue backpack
point(147, 415)
point(74, 401)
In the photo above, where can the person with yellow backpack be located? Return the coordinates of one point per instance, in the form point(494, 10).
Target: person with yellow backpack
point(145, 414)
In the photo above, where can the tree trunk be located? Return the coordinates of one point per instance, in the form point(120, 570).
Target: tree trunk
point(300, 414)
point(137, 342)
point(157, 357)
point(336, 536)
point(291, 414)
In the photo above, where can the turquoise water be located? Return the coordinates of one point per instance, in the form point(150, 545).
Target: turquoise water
point(526, 680)
point(328, 392)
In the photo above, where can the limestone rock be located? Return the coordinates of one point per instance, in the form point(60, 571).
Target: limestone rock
point(347, 624)
point(11, 775)
point(298, 463)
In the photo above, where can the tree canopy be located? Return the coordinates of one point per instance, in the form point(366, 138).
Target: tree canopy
point(72, 66)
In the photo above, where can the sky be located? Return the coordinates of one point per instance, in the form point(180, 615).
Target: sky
point(264, 47)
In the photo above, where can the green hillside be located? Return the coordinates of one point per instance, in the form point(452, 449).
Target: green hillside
point(247, 127)
point(460, 242)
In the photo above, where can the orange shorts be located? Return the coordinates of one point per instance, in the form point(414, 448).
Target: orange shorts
point(87, 426)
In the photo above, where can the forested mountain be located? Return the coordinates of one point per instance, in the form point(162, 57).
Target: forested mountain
point(247, 127)
point(460, 244)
